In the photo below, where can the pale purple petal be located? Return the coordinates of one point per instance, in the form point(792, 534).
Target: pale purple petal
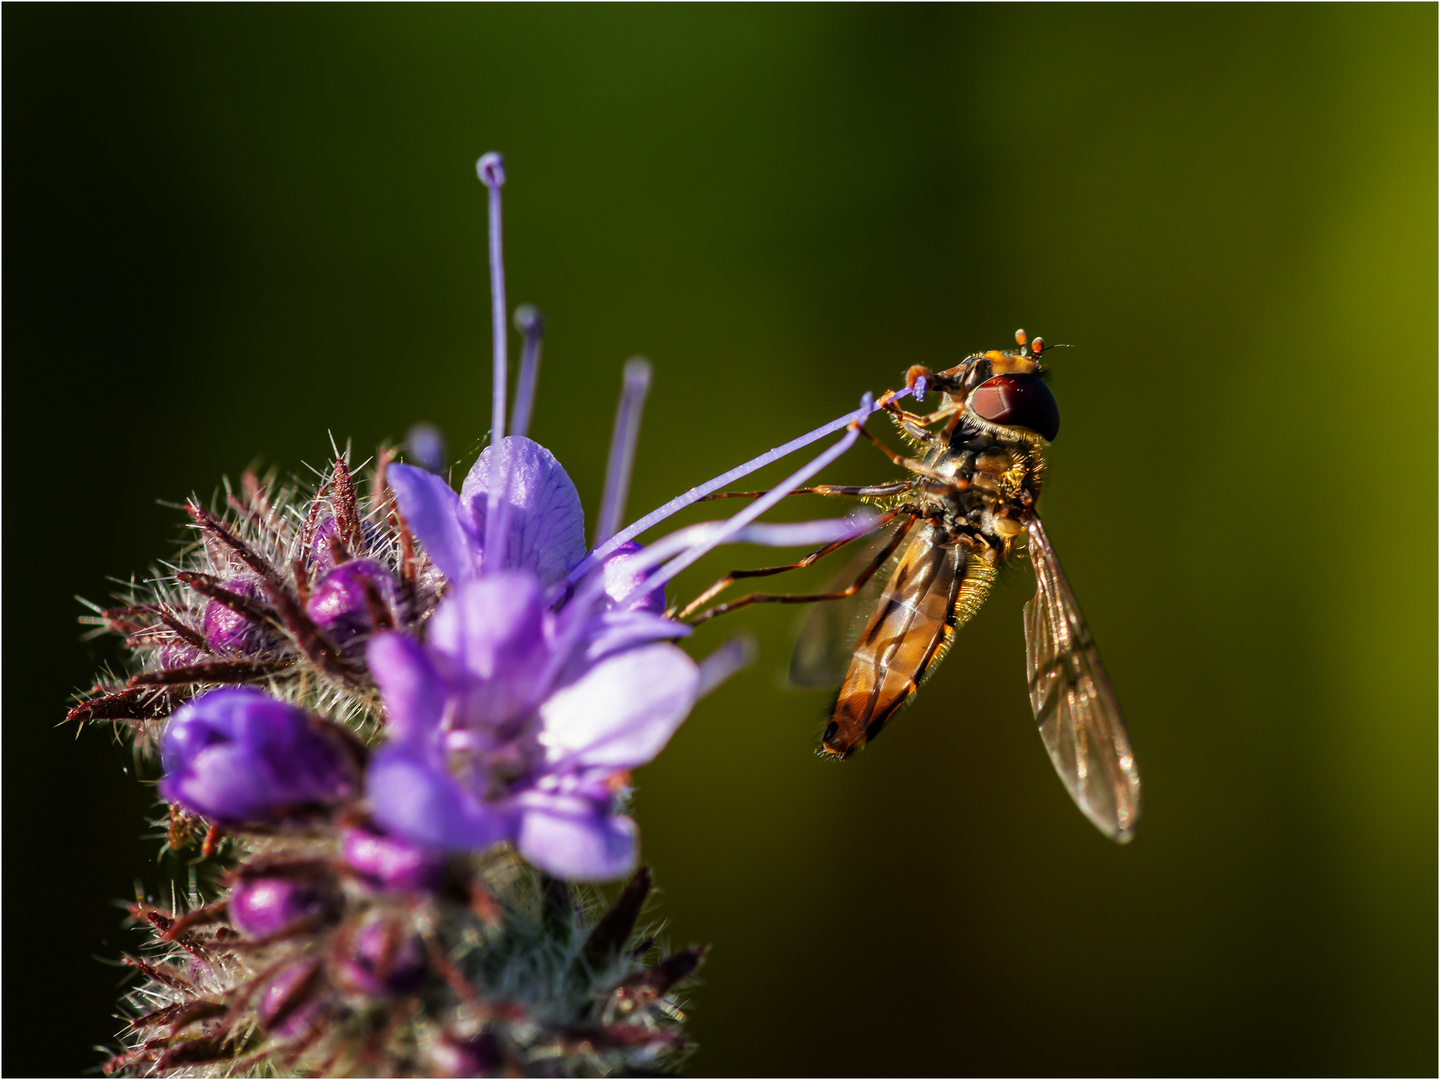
point(424, 804)
point(489, 642)
point(573, 838)
point(433, 513)
point(547, 523)
point(622, 712)
point(413, 691)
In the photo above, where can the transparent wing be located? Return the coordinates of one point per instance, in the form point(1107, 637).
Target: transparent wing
point(1079, 718)
point(826, 635)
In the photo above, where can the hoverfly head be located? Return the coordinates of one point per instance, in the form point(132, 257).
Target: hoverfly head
point(1008, 389)
point(1018, 400)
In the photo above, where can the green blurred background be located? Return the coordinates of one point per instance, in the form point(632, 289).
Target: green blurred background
point(230, 230)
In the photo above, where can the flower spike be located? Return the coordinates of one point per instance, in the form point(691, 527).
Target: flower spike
point(622, 446)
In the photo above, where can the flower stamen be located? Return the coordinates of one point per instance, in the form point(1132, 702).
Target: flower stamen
point(695, 494)
point(531, 325)
point(491, 169)
point(622, 447)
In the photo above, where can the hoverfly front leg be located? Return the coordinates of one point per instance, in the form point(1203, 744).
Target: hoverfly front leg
point(801, 598)
point(912, 465)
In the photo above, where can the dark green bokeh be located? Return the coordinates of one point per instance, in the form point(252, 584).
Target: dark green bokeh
point(231, 230)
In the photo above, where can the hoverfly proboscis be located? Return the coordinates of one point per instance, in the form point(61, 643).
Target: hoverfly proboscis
point(944, 535)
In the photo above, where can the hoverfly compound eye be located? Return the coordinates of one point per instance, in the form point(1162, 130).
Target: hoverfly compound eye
point(1022, 401)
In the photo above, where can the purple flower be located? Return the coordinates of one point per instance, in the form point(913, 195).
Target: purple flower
point(547, 674)
point(516, 723)
point(239, 756)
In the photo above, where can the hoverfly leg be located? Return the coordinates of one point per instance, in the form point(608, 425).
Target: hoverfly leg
point(861, 491)
point(734, 575)
point(809, 560)
point(913, 465)
point(913, 425)
point(803, 598)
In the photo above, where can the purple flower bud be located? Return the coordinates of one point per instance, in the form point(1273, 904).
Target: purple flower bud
point(239, 756)
point(321, 554)
point(340, 603)
point(480, 1056)
point(388, 862)
point(289, 1003)
point(383, 960)
point(178, 654)
point(326, 540)
point(262, 906)
point(227, 631)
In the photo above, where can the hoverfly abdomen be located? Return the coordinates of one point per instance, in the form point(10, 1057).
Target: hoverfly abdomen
point(908, 628)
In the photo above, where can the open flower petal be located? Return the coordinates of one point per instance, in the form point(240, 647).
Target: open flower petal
point(620, 713)
point(423, 803)
point(413, 690)
point(434, 515)
point(489, 641)
point(577, 839)
point(547, 523)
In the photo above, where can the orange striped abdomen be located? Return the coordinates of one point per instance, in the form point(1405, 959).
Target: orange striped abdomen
point(936, 583)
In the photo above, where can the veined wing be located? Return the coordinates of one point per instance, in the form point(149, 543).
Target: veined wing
point(1079, 718)
point(826, 636)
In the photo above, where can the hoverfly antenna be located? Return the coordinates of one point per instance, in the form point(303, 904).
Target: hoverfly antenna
point(1020, 338)
point(1038, 346)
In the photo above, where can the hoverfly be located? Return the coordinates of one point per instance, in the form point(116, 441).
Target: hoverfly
point(947, 531)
